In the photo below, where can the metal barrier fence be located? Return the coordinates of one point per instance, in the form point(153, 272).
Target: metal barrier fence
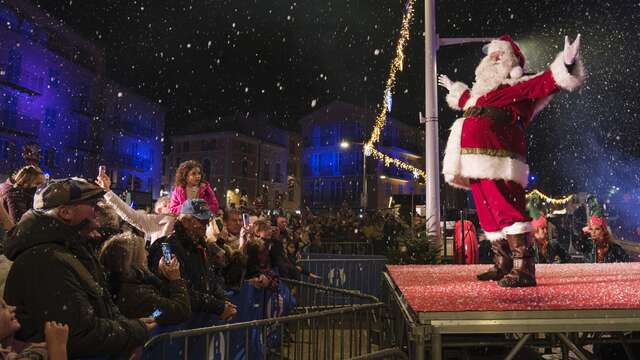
point(356, 272)
point(325, 330)
point(345, 247)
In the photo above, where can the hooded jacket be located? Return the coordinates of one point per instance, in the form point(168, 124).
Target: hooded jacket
point(55, 277)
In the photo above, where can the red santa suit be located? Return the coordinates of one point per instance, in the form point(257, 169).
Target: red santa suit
point(486, 149)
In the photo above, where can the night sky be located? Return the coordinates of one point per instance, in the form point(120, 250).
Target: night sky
point(208, 58)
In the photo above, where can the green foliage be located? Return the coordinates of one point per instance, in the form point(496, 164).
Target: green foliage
point(535, 206)
point(413, 247)
point(595, 207)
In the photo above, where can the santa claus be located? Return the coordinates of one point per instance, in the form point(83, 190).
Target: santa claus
point(486, 149)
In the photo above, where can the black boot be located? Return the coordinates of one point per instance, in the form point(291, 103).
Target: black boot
point(502, 262)
point(523, 273)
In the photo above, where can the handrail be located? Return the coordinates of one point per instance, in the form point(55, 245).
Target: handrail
point(353, 293)
point(261, 322)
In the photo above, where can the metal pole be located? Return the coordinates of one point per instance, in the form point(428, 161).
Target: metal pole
point(577, 352)
point(518, 347)
point(364, 179)
point(432, 149)
point(436, 346)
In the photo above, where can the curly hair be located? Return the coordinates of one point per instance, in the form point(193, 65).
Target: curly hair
point(183, 170)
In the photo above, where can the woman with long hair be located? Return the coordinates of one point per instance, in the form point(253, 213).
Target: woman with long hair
point(138, 292)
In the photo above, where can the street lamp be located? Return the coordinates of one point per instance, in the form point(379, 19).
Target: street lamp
point(344, 144)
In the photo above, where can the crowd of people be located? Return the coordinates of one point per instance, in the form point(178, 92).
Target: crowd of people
point(85, 275)
point(91, 277)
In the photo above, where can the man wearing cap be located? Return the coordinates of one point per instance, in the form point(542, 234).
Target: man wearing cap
point(55, 276)
point(486, 148)
point(546, 250)
point(188, 244)
point(597, 245)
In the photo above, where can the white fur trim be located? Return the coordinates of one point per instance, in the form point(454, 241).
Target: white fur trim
point(563, 78)
point(516, 72)
point(479, 166)
point(499, 45)
point(472, 100)
point(494, 235)
point(458, 168)
point(451, 163)
point(475, 95)
point(453, 97)
point(518, 228)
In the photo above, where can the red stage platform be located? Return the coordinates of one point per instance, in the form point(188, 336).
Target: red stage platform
point(437, 304)
point(453, 288)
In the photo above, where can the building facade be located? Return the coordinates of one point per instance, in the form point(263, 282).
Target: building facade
point(54, 94)
point(259, 170)
point(131, 144)
point(334, 169)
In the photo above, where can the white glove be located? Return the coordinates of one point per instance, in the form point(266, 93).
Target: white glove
point(571, 51)
point(445, 82)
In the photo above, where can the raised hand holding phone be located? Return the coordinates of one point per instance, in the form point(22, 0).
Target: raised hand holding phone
point(170, 271)
point(103, 180)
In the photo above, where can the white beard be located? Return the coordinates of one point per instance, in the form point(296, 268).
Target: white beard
point(491, 74)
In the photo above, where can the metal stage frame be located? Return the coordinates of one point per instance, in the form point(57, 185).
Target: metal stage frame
point(571, 330)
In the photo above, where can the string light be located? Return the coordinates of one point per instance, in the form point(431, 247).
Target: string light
point(388, 160)
point(550, 200)
point(381, 118)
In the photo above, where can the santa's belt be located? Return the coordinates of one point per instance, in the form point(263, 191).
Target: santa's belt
point(491, 112)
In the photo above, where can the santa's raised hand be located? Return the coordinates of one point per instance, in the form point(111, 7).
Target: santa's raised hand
point(445, 82)
point(571, 51)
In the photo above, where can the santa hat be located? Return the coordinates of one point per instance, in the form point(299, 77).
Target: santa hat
point(598, 221)
point(506, 44)
point(539, 222)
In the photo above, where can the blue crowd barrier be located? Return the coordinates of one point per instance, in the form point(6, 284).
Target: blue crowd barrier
point(362, 273)
point(252, 304)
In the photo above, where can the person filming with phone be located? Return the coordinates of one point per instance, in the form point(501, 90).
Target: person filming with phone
point(188, 244)
point(136, 290)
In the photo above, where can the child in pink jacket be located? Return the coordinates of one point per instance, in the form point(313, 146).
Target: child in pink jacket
point(189, 185)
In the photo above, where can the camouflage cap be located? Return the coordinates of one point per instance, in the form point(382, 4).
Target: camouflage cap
point(66, 192)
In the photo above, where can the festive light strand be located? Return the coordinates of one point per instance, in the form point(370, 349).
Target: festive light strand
point(396, 65)
point(545, 198)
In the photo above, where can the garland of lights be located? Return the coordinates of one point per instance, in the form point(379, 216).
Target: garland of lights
point(369, 148)
point(548, 199)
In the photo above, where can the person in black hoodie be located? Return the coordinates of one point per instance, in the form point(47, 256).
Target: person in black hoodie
point(55, 277)
point(188, 244)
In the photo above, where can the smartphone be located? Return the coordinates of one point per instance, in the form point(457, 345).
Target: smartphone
point(166, 251)
point(156, 313)
point(246, 219)
point(102, 169)
point(219, 224)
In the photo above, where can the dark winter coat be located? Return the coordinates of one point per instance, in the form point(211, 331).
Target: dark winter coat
point(140, 294)
point(55, 277)
point(193, 266)
point(280, 261)
point(17, 201)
